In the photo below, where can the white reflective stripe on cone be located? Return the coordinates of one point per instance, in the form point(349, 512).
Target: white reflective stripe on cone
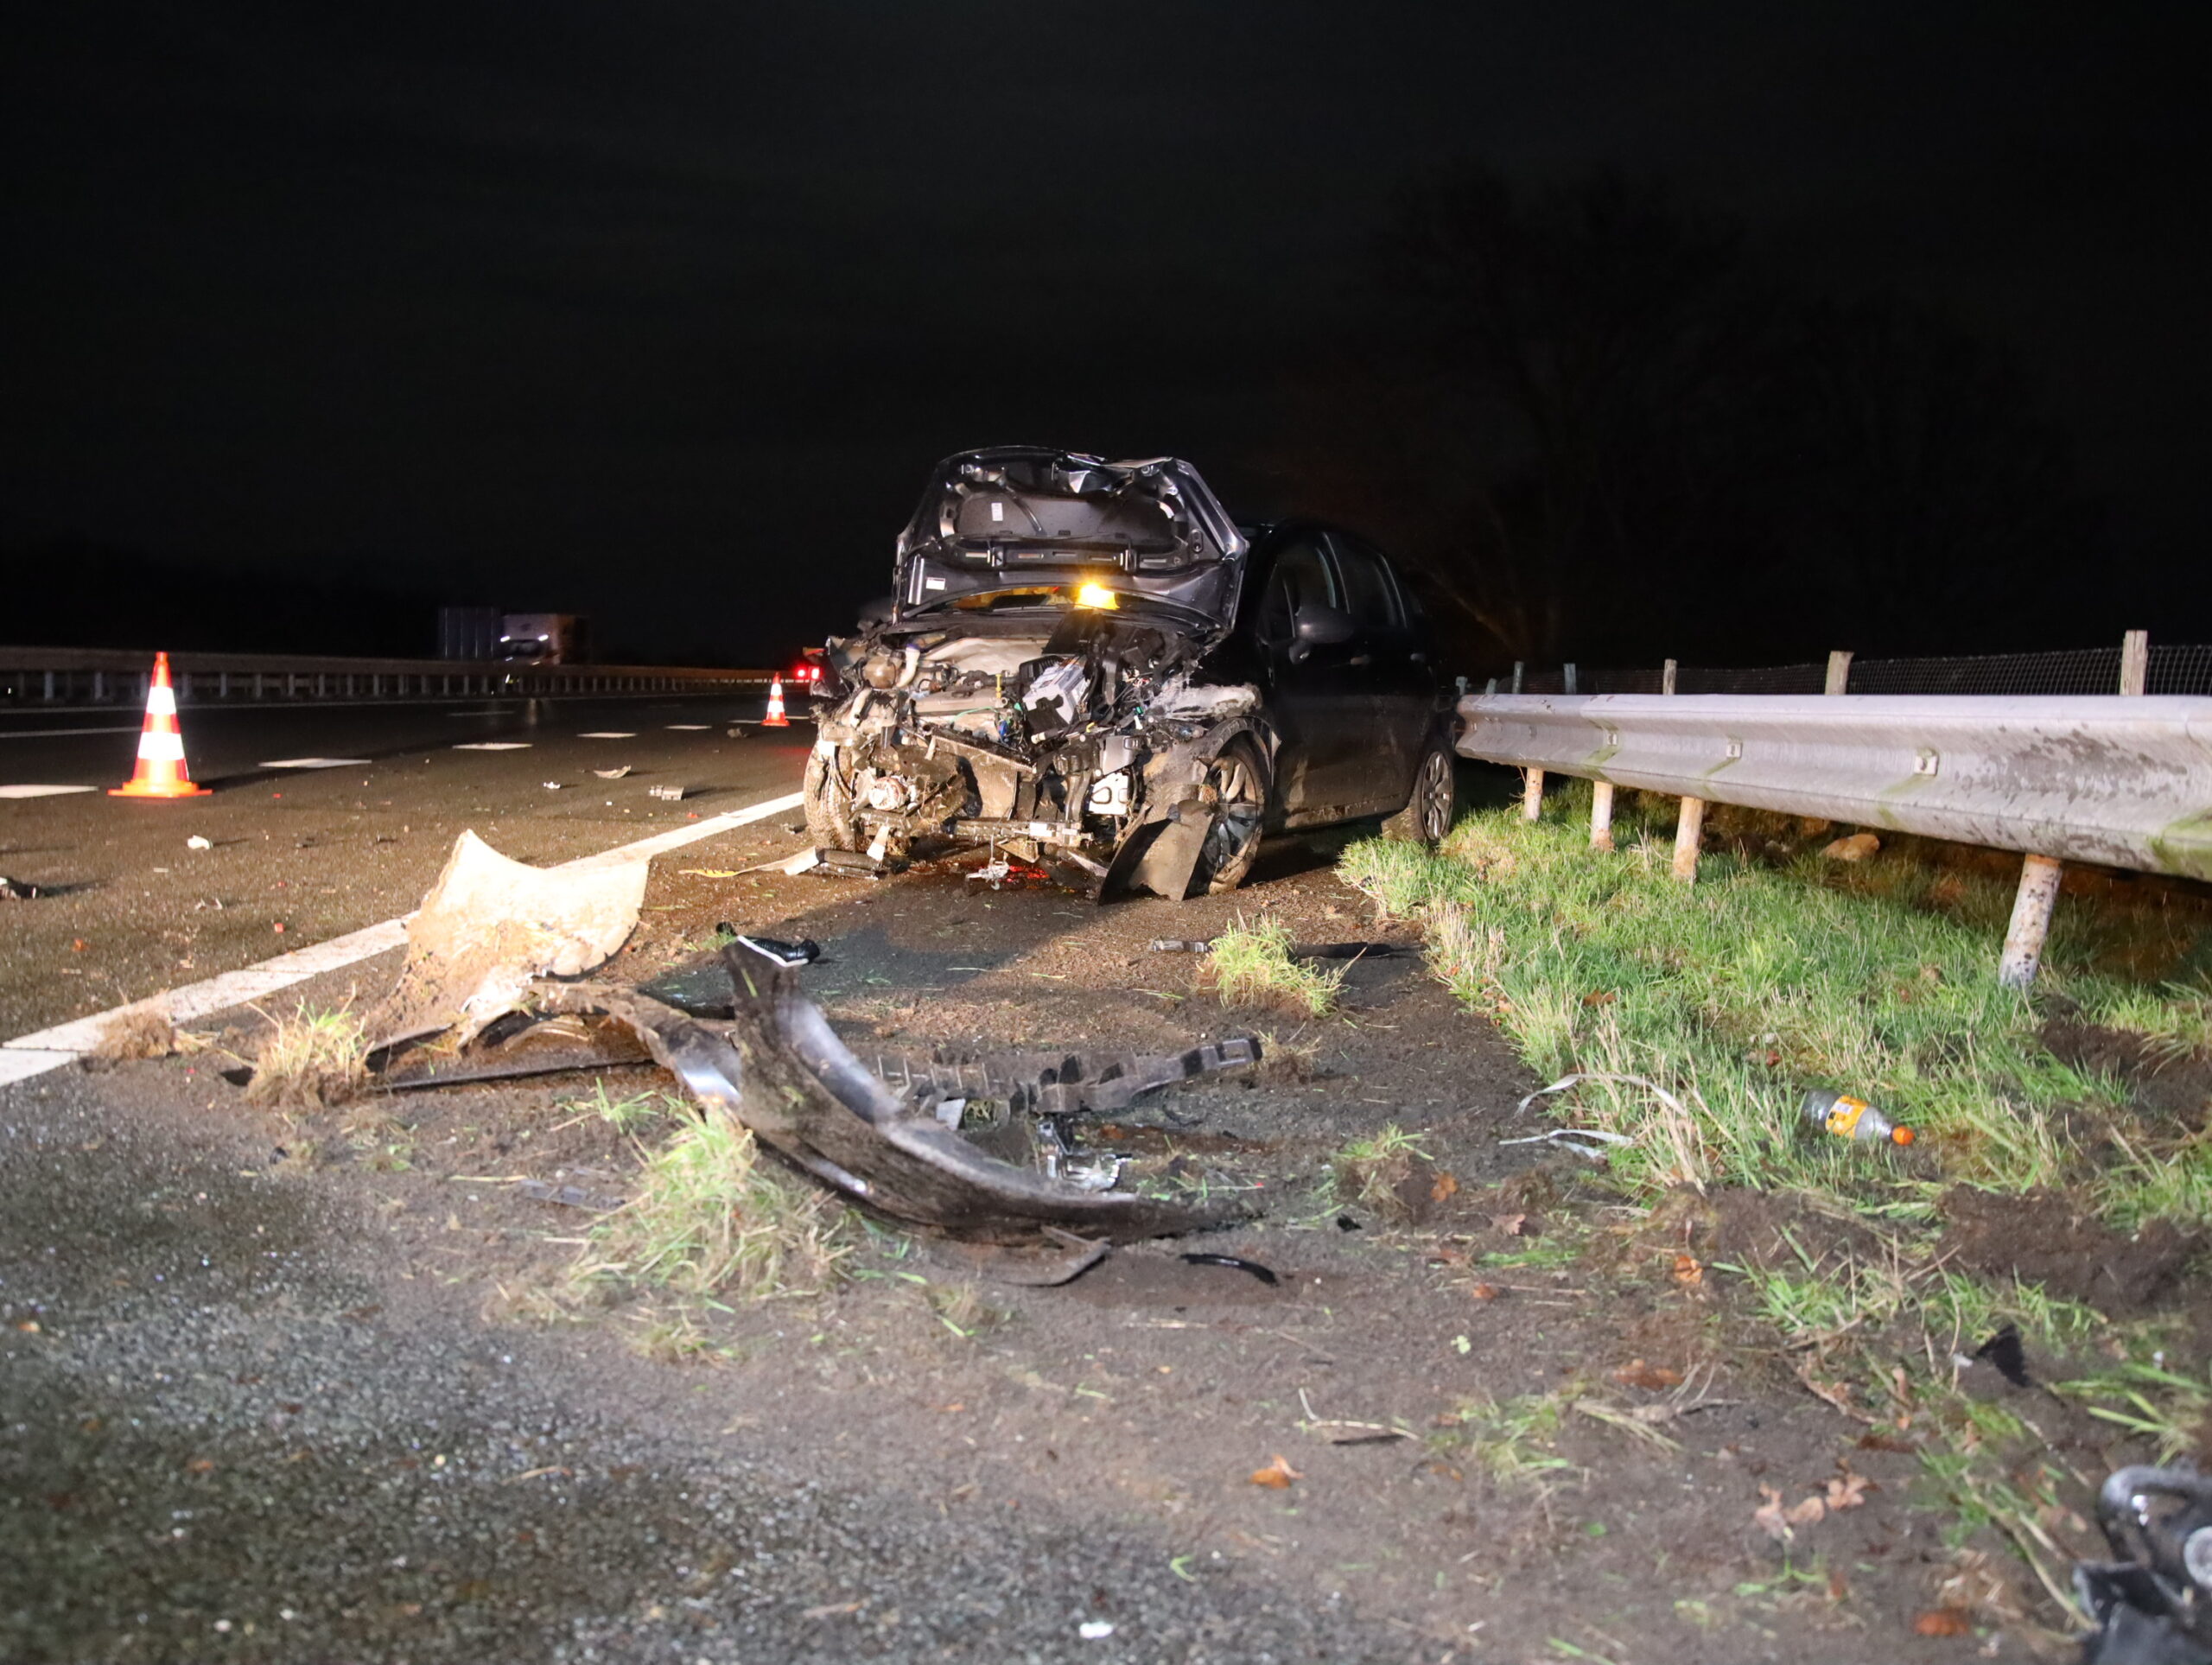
point(160, 701)
point(160, 745)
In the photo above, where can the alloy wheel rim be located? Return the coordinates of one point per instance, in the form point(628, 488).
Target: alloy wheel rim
point(1436, 795)
point(1238, 817)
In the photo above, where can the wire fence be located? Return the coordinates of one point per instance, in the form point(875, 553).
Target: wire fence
point(2170, 669)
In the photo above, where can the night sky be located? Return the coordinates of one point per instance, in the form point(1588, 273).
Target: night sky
point(661, 312)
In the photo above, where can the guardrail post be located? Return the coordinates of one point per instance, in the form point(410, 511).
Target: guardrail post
point(1601, 815)
point(2135, 662)
point(1667, 677)
point(1839, 672)
point(1567, 677)
point(1689, 828)
point(1532, 794)
point(2031, 908)
point(1517, 668)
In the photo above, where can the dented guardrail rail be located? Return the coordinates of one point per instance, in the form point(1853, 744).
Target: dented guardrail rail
point(2124, 780)
point(60, 677)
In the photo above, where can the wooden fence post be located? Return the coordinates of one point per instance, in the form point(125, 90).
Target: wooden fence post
point(1839, 672)
point(1689, 824)
point(2135, 662)
point(1532, 794)
point(2030, 923)
point(1601, 815)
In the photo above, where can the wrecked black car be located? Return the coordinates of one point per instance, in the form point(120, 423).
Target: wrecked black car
point(1090, 664)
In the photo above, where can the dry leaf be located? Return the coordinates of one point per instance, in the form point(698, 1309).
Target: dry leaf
point(1769, 1516)
point(1485, 1292)
point(1513, 1225)
point(1599, 997)
point(1278, 1474)
point(201, 1465)
point(1847, 1492)
point(1838, 1587)
point(1807, 1513)
point(1689, 1271)
point(1652, 1377)
point(1942, 1622)
point(1444, 1189)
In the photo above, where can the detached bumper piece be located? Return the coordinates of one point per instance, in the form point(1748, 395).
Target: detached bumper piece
point(776, 1066)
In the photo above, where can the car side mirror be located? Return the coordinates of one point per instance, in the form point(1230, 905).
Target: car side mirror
point(1317, 625)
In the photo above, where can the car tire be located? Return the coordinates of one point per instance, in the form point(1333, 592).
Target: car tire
point(829, 804)
point(1434, 803)
point(1240, 773)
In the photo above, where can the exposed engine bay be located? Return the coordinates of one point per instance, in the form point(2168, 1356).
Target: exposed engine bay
point(1044, 682)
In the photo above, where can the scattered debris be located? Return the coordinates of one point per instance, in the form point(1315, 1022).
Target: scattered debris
point(1845, 1117)
point(1565, 1138)
point(1236, 1263)
point(552, 785)
point(617, 774)
point(1063, 1084)
point(1094, 1629)
point(804, 952)
point(2152, 1604)
point(1856, 847)
point(1278, 1474)
point(577, 1192)
point(490, 925)
point(197, 842)
point(666, 794)
point(18, 890)
point(2003, 1350)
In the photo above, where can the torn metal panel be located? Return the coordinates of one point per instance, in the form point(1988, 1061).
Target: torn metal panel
point(777, 1067)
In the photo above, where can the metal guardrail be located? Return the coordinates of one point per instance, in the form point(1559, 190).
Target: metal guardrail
point(2119, 779)
point(60, 677)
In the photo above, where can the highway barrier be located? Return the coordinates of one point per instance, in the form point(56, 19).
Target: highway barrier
point(62, 678)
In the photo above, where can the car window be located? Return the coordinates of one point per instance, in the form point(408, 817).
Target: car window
point(1370, 595)
point(1299, 578)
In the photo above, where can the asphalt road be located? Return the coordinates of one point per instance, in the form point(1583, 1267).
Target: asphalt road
point(239, 1428)
point(300, 856)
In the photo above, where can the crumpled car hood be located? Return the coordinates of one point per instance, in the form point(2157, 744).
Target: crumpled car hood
point(1009, 520)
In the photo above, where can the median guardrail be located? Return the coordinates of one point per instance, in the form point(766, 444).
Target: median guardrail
point(58, 678)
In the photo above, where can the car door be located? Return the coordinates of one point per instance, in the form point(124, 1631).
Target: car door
point(1393, 680)
point(1312, 696)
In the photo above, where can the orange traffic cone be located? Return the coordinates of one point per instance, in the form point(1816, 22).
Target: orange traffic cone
point(775, 719)
point(161, 771)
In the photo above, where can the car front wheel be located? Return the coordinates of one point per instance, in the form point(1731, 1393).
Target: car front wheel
point(1435, 802)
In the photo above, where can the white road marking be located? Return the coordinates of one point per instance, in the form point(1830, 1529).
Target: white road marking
point(492, 746)
point(611, 733)
point(64, 1043)
point(42, 791)
point(311, 763)
point(686, 728)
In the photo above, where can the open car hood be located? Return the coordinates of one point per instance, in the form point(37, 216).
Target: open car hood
point(1025, 526)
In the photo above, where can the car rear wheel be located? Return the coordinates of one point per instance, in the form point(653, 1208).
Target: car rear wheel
point(830, 803)
point(1240, 780)
point(1429, 812)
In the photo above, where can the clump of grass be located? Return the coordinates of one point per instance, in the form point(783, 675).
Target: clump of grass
point(709, 1216)
point(963, 1309)
point(1293, 1059)
point(624, 1115)
point(1371, 1173)
point(2169, 1409)
point(1508, 1439)
point(143, 1029)
point(1251, 965)
point(310, 1059)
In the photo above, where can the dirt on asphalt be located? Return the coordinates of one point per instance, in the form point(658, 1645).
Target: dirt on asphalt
point(1525, 1422)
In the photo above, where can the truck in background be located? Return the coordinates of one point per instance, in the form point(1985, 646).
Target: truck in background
point(488, 633)
point(543, 639)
